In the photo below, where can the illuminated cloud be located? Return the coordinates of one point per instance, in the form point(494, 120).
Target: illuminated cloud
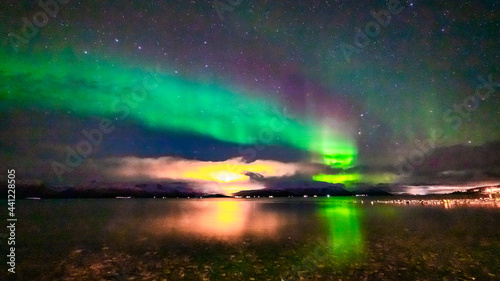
point(228, 176)
point(232, 170)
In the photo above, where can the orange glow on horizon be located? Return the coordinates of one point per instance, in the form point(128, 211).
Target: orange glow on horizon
point(227, 177)
point(225, 172)
point(231, 170)
point(228, 188)
point(232, 189)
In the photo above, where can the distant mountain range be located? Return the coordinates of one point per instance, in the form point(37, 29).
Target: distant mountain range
point(106, 190)
point(307, 188)
point(297, 188)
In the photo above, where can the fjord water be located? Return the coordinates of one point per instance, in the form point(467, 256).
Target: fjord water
point(254, 239)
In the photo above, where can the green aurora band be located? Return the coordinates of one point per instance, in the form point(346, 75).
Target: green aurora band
point(354, 178)
point(99, 88)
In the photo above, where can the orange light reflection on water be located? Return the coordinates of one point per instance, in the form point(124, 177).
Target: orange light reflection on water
point(224, 218)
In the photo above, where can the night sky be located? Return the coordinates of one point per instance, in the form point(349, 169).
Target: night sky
point(239, 92)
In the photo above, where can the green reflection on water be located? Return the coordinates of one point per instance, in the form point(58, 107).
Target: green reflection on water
point(345, 235)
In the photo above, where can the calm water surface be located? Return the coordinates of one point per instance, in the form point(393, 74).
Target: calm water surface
point(254, 239)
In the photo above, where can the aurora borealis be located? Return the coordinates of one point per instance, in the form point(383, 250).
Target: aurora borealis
point(172, 90)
